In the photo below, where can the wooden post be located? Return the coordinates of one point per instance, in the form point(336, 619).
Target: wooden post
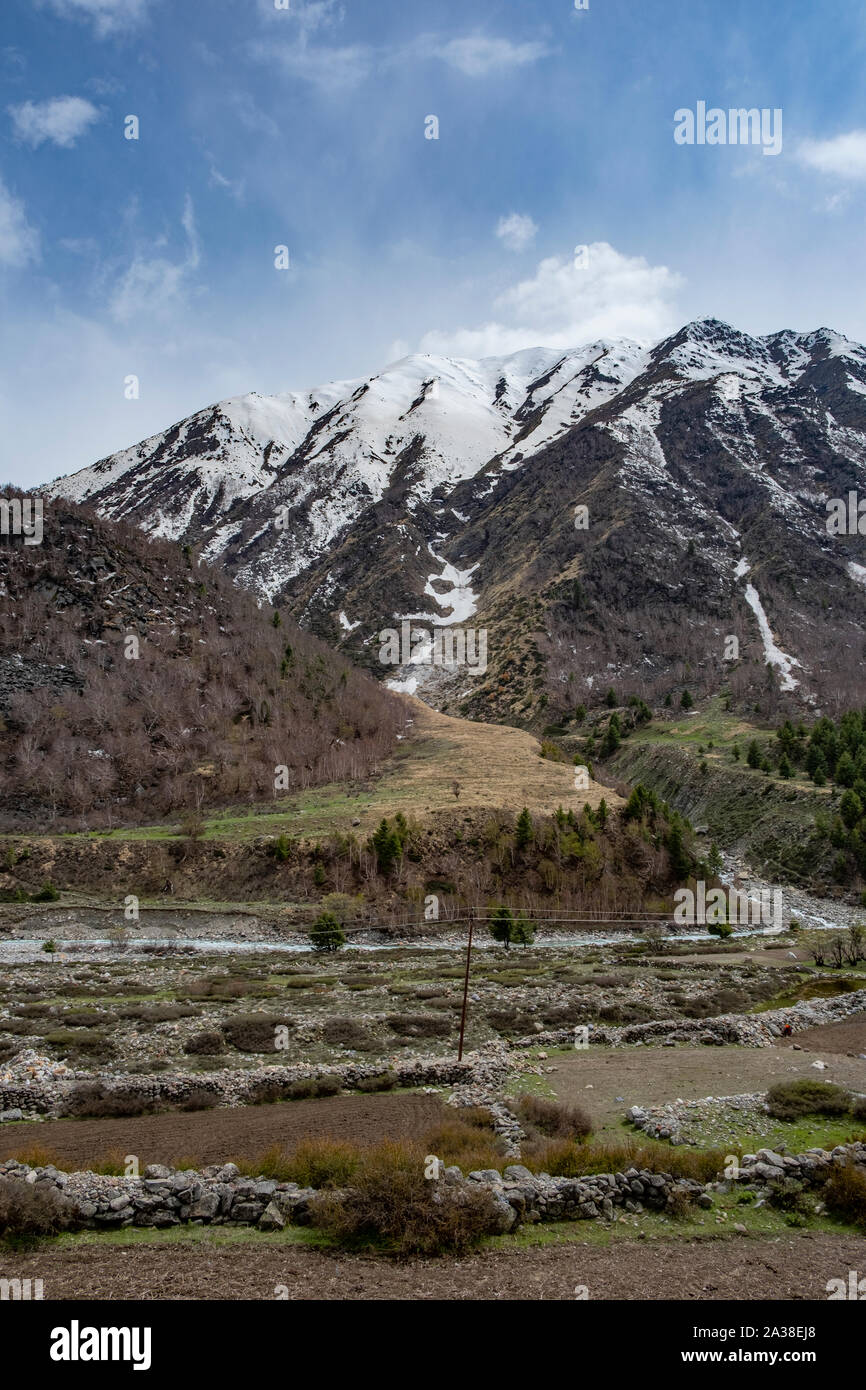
point(466, 986)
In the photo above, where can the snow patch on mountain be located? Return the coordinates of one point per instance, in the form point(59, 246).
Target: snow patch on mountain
point(772, 653)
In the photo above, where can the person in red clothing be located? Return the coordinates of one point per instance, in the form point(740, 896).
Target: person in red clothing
point(787, 1031)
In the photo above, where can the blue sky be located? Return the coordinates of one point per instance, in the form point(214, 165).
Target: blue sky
point(306, 128)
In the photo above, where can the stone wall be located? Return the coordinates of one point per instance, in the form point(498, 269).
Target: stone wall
point(219, 1195)
point(745, 1030)
point(35, 1085)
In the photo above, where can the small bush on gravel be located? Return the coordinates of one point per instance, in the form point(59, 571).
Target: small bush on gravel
point(346, 1032)
point(30, 1212)
point(85, 1043)
point(157, 1013)
point(553, 1120)
point(392, 1208)
point(254, 1032)
point(228, 987)
point(791, 1100)
point(420, 1025)
point(514, 1023)
point(204, 1045)
point(85, 1018)
point(845, 1194)
point(21, 1027)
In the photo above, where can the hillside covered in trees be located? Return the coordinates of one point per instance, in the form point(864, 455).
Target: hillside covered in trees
point(137, 683)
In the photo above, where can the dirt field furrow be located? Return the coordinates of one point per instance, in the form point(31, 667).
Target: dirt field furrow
point(796, 1267)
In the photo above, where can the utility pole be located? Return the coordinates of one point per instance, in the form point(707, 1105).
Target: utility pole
point(466, 984)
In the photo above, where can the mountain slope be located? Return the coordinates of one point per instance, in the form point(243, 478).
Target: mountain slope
point(136, 684)
point(444, 491)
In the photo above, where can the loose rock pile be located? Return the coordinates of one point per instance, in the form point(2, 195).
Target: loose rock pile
point(675, 1120)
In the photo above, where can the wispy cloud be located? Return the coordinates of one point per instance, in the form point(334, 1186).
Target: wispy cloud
point(61, 120)
point(334, 67)
point(516, 231)
point(843, 155)
point(483, 55)
point(568, 301)
point(153, 286)
point(235, 187)
point(331, 69)
point(107, 16)
point(308, 15)
point(19, 242)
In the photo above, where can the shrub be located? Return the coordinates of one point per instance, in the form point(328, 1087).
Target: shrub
point(791, 1196)
point(468, 1146)
point(419, 1025)
point(94, 1101)
point(85, 1018)
point(383, 1081)
point(30, 1212)
point(679, 1204)
point(392, 1208)
point(37, 1156)
point(858, 1108)
point(845, 1194)
point(566, 1159)
point(553, 1120)
point(314, 1087)
point(254, 1032)
point(345, 1032)
point(322, 1163)
point(326, 934)
point(791, 1100)
point(199, 1098)
point(204, 1044)
point(47, 894)
point(512, 1021)
point(156, 1013)
point(86, 1042)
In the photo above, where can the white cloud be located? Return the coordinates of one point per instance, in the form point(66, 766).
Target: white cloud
point(236, 187)
point(844, 155)
point(837, 202)
point(107, 16)
point(154, 286)
point(61, 120)
point(307, 14)
point(19, 242)
point(567, 303)
point(516, 231)
point(334, 68)
point(329, 69)
point(478, 55)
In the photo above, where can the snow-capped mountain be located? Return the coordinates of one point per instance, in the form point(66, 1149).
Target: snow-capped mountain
point(328, 454)
point(444, 491)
